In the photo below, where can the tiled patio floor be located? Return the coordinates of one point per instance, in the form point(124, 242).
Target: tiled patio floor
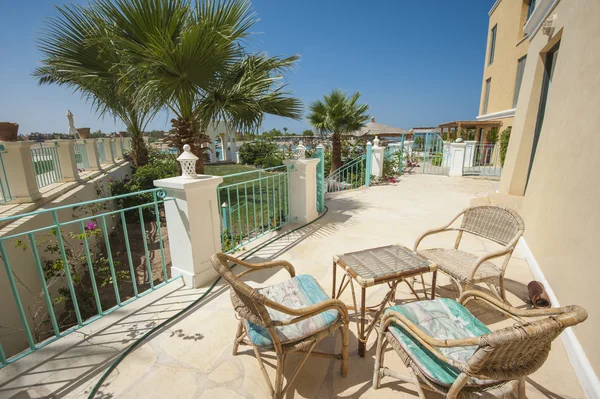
point(192, 358)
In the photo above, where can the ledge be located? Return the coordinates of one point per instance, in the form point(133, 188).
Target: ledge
point(507, 113)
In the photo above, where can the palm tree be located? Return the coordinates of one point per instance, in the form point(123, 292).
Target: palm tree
point(194, 65)
point(337, 114)
point(78, 54)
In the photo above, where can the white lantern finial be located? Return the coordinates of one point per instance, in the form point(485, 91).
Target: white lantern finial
point(188, 163)
point(376, 142)
point(300, 151)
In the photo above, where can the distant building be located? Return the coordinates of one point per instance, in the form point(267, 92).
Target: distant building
point(505, 59)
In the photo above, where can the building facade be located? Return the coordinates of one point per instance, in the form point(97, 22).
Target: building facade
point(505, 60)
point(549, 173)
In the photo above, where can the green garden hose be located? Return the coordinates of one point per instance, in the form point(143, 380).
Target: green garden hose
point(141, 339)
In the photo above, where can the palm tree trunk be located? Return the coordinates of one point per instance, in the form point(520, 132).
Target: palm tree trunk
point(336, 151)
point(139, 150)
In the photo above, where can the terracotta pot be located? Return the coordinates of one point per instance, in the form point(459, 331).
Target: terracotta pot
point(84, 132)
point(123, 134)
point(8, 131)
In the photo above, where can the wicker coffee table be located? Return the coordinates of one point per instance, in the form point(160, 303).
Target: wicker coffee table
point(391, 265)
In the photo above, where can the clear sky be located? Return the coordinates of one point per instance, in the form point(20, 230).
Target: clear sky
point(416, 63)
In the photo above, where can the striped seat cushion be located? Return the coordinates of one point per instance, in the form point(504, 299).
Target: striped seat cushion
point(441, 319)
point(297, 293)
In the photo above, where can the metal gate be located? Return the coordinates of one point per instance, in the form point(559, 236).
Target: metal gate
point(482, 160)
point(433, 154)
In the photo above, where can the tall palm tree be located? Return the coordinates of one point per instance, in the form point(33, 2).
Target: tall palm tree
point(195, 66)
point(79, 54)
point(337, 114)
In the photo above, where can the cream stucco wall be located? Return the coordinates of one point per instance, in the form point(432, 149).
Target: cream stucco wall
point(561, 205)
point(509, 17)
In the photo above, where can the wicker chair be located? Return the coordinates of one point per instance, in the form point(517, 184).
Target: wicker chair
point(455, 353)
point(501, 225)
point(292, 316)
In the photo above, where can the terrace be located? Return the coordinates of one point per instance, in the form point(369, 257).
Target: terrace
point(190, 357)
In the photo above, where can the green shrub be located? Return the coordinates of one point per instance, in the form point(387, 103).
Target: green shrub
point(504, 139)
point(492, 135)
point(262, 154)
point(437, 159)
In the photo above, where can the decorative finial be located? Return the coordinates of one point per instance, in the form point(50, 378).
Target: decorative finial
point(376, 141)
point(459, 140)
point(188, 163)
point(300, 151)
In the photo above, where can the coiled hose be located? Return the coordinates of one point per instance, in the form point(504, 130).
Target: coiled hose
point(148, 333)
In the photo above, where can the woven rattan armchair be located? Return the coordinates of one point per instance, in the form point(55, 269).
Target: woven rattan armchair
point(449, 351)
point(292, 316)
point(500, 225)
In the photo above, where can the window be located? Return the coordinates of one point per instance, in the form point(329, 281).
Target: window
point(530, 8)
point(520, 70)
point(492, 44)
point(549, 67)
point(486, 99)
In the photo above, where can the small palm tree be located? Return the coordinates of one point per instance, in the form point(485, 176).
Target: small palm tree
point(337, 114)
point(78, 53)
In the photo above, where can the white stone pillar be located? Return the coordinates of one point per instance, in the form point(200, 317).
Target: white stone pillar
point(193, 226)
point(303, 189)
point(92, 153)
point(108, 153)
point(223, 148)
point(119, 149)
point(237, 157)
point(68, 162)
point(234, 150)
point(458, 159)
point(213, 153)
point(16, 157)
point(377, 159)
point(470, 152)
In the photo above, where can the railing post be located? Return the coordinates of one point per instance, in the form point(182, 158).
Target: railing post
point(457, 161)
point(92, 153)
point(320, 178)
point(67, 160)
point(108, 152)
point(193, 226)
point(303, 189)
point(368, 165)
point(376, 160)
point(19, 170)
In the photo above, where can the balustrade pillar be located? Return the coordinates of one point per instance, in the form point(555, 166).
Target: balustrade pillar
point(193, 226)
point(303, 189)
point(67, 160)
point(376, 159)
point(457, 151)
point(108, 152)
point(92, 153)
point(20, 175)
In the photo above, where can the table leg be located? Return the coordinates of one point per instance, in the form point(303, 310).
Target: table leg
point(361, 339)
point(334, 273)
point(433, 282)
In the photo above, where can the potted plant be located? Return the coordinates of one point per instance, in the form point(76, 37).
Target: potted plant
point(8, 131)
point(123, 134)
point(84, 132)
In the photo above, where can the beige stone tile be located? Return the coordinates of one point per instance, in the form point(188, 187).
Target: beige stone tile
point(164, 382)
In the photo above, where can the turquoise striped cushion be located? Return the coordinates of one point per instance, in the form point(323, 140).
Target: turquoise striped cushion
point(297, 293)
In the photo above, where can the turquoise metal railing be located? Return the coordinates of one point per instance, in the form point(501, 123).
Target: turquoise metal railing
point(253, 204)
point(125, 147)
point(4, 186)
point(320, 154)
point(436, 155)
point(113, 147)
point(46, 164)
point(482, 159)
point(83, 260)
point(101, 153)
point(81, 156)
point(353, 174)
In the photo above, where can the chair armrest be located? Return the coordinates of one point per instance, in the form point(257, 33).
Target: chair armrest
point(492, 255)
point(261, 266)
point(429, 342)
point(309, 311)
point(436, 231)
point(470, 295)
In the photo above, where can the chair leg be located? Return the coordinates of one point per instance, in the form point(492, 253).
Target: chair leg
point(278, 394)
point(345, 330)
point(522, 394)
point(457, 386)
point(379, 355)
point(417, 383)
point(239, 333)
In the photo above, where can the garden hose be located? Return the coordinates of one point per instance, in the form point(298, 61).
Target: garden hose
point(141, 339)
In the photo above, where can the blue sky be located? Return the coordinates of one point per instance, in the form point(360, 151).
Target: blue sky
point(416, 63)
